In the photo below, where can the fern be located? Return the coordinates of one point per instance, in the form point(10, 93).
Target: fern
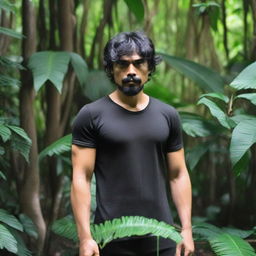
point(65, 227)
point(125, 226)
point(58, 147)
point(7, 240)
point(231, 245)
point(10, 220)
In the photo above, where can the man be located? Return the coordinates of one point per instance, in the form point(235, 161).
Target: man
point(133, 144)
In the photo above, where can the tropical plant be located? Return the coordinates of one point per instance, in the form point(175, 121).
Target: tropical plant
point(241, 127)
point(52, 66)
point(11, 230)
point(125, 226)
point(223, 241)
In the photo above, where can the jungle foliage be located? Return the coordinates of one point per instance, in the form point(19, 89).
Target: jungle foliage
point(51, 65)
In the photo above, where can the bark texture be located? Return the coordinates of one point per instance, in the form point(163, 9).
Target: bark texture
point(30, 196)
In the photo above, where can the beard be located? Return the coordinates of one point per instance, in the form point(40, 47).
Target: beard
point(131, 85)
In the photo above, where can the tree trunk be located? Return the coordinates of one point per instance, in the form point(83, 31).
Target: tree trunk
point(6, 21)
point(54, 118)
point(253, 48)
point(30, 192)
point(108, 4)
point(42, 27)
point(83, 27)
point(225, 28)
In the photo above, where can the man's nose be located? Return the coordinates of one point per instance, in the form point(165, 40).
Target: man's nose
point(131, 70)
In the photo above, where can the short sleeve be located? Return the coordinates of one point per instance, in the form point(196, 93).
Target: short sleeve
point(83, 130)
point(175, 141)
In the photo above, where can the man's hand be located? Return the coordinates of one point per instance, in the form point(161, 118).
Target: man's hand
point(187, 244)
point(88, 248)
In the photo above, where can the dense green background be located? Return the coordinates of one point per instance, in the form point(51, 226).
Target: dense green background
point(51, 65)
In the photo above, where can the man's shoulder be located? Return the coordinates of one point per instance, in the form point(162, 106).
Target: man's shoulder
point(95, 106)
point(162, 105)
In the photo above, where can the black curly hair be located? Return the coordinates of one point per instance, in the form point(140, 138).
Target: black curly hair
point(127, 43)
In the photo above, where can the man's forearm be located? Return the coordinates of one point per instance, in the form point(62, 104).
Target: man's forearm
point(182, 198)
point(80, 199)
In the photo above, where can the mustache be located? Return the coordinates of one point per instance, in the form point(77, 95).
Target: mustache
point(134, 79)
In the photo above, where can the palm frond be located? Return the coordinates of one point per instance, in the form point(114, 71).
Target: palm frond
point(230, 245)
point(65, 227)
point(10, 220)
point(22, 250)
point(7, 240)
point(5, 132)
point(205, 230)
point(20, 141)
point(238, 232)
point(56, 148)
point(127, 226)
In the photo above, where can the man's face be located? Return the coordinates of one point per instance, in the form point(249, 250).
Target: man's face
point(131, 71)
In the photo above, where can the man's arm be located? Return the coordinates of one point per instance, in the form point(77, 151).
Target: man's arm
point(182, 196)
point(83, 160)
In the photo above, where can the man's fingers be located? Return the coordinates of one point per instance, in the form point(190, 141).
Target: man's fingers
point(188, 252)
point(178, 250)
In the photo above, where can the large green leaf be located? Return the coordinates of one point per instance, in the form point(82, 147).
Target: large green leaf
point(5, 132)
point(195, 125)
point(118, 228)
point(10, 32)
point(238, 232)
point(216, 95)
point(10, 220)
point(206, 230)
point(246, 79)
point(65, 227)
point(137, 8)
point(242, 117)
point(7, 240)
point(80, 67)
point(21, 247)
point(19, 131)
point(242, 165)
point(49, 65)
point(132, 225)
point(58, 147)
point(249, 96)
point(97, 85)
point(20, 141)
point(243, 137)
point(231, 245)
point(216, 112)
point(207, 79)
point(28, 225)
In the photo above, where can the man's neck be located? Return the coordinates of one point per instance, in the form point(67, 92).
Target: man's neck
point(134, 103)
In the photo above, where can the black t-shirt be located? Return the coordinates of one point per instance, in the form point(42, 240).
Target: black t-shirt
point(131, 147)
